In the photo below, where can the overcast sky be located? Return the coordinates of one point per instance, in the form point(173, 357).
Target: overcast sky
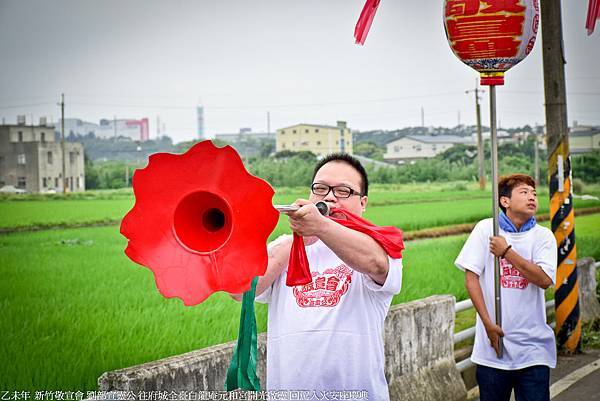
point(242, 58)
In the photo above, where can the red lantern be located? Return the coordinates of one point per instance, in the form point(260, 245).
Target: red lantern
point(200, 222)
point(491, 36)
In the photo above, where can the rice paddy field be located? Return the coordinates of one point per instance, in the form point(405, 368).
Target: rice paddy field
point(73, 306)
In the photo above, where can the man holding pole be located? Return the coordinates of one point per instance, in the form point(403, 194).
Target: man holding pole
point(519, 354)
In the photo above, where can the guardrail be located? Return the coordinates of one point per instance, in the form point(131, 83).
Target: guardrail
point(470, 332)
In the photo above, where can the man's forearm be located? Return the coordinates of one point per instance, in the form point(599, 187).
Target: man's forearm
point(532, 272)
point(357, 250)
point(476, 295)
point(278, 258)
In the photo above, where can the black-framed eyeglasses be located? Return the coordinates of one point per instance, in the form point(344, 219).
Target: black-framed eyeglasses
point(339, 191)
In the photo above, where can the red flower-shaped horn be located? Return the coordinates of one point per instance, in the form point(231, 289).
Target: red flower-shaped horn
point(200, 222)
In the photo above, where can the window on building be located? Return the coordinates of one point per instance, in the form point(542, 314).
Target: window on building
point(337, 142)
point(21, 182)
point(56, 182)
point(283, 146)
point(21, 158)
point(282, 132)
point(43, 137)
point(44, 182)
point(77, 182)
point(294, 131)
point(306, 130)
point(318, 143)
point(20, 136)
point(71, 157)
point(396, 148)
point(418, 147)
point(49, 154)
point(434, 147)
point(316, 130)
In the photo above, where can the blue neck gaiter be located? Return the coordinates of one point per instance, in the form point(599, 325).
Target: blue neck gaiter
point(508, 226)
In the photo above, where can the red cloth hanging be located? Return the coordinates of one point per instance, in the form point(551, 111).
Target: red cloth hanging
point(365, 20)
point(389, 238)
point(592, 16)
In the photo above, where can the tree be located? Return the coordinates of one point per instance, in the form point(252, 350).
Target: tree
point(370, 150)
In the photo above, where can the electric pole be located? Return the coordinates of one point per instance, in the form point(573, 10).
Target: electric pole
point(480, 158)
point(562, 215)
point(268, 122)
point(536, 156)
point(62, 141)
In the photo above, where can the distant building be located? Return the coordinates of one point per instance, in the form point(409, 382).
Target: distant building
point(248, 143)
point(584, 140)
point(31, 159)
point(318, 139)
point(136, 130)
point(415, 147)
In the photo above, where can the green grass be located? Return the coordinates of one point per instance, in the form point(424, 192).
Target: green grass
point(410, 206)
point(73, 306)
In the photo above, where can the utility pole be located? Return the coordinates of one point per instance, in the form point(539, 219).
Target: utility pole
point(480, 158)
point(536, 156)
point(62, 141)
point(268, 122)
point(562, 215)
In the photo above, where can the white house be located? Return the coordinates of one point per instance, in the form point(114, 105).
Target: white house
point(415, 147)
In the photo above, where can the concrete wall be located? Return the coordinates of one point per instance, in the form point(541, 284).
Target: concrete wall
point(418, 349)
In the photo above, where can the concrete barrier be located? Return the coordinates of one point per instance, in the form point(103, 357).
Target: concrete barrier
point(419, 351)
point(419, 356)
point(590, 308)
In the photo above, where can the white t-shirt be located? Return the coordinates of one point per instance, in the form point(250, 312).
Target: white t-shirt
point(328, 335)
point(528, 340)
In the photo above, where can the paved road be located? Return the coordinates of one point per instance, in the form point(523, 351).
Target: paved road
point(586, 388)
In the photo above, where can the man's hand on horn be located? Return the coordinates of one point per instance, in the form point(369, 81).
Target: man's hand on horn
point(307, 221)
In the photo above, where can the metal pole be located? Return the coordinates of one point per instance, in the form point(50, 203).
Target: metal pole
point(494, 137)
point(480, 158)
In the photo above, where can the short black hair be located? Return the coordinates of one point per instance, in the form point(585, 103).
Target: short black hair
point(348, 159)
point(509, 182)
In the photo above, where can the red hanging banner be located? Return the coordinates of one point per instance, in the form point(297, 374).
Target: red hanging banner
point(363, 25)
point(592, 15)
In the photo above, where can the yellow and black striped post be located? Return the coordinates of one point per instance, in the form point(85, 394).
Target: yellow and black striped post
point(566, 296)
